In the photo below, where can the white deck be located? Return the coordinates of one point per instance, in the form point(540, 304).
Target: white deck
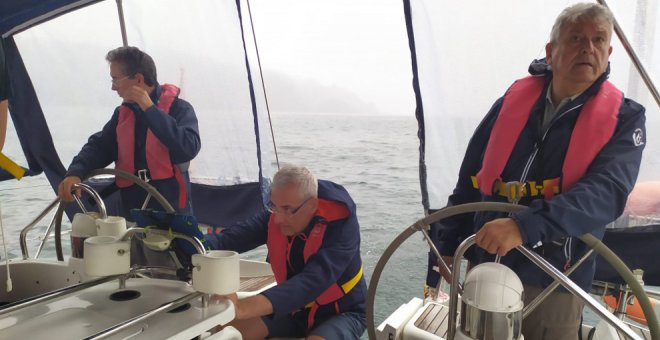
point(90, 311)
point(86, 312)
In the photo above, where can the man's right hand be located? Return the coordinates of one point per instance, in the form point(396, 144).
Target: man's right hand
point(64, 190)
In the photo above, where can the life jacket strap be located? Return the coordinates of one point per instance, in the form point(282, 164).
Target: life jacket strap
point(514, 191)
point(350, 284)
point(346, 287)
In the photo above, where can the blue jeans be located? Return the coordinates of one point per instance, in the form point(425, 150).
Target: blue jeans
point(347, 326)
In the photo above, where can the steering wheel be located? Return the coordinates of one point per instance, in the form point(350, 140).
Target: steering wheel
point(423, 225)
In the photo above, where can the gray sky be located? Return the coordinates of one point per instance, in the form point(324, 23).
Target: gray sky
point(358, 45)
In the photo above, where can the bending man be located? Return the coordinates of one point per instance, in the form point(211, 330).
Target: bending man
point(313, 240)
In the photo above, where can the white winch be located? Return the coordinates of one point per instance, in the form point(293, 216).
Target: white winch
point(491, 304)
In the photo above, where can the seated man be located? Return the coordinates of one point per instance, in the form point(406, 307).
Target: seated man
point(313, 240)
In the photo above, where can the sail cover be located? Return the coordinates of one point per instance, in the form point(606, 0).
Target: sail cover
point(61, 86)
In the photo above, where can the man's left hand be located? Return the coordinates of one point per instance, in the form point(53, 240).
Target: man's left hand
point(499, 236)
point(138, 95)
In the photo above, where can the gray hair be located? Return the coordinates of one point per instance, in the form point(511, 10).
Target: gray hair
point(577, 12)
point(134, 61)
point(299, 176)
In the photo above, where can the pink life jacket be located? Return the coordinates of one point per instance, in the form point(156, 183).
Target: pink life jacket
point(158, 157)
point(594, 128)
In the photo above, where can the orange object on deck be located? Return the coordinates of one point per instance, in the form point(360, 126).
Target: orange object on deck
point(633, 311)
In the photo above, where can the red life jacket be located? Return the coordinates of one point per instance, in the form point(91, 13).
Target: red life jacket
point(158, 157)
point(278, 246)
point(594, 128)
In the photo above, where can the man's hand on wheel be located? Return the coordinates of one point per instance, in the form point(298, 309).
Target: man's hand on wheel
point(64, 189)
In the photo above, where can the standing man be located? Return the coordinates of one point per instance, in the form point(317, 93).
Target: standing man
point(152, 134)
point(573, 144)
point(313, 239)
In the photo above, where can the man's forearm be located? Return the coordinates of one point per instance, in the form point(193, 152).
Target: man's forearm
point(252, 307)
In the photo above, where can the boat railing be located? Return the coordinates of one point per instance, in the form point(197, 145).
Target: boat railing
point(49, 208)
point(56, 293)
point(137, 319)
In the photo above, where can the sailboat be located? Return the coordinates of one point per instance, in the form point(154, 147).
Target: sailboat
point(218, 72)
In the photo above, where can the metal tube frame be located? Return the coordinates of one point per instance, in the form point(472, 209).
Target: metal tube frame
point(30, 226)
point(633, 57)
point(74, 288)
point(45, 238)
point(122, 23)
point(55, 294)
point(551, 288)
point(132, 321)
point(550, 270)
point(51, 206)
point(97, 198)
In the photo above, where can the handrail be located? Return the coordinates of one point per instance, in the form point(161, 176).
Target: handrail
point(55, 294)
point(546, 267)
point(97, 198)
point(136, 270)
point(132, 321)
point(45, 238)
point(31, 225)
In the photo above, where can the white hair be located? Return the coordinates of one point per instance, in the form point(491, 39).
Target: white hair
point(296, 175)
point(577, 12)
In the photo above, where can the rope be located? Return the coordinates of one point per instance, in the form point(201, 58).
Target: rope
point(263, 84)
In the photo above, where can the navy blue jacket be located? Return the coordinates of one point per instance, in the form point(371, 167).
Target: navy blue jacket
point(4, 75)
point(597, 199)
point(337, 260)
point(178, 131)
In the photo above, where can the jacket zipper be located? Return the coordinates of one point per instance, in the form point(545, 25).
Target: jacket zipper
point(567, 248)
point(530, 160)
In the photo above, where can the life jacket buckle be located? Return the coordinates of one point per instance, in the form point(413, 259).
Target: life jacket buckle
point(514, 191)
point(144, 175)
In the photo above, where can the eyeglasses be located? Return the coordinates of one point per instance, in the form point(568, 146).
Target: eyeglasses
point(115, 81)
point(288, 211)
